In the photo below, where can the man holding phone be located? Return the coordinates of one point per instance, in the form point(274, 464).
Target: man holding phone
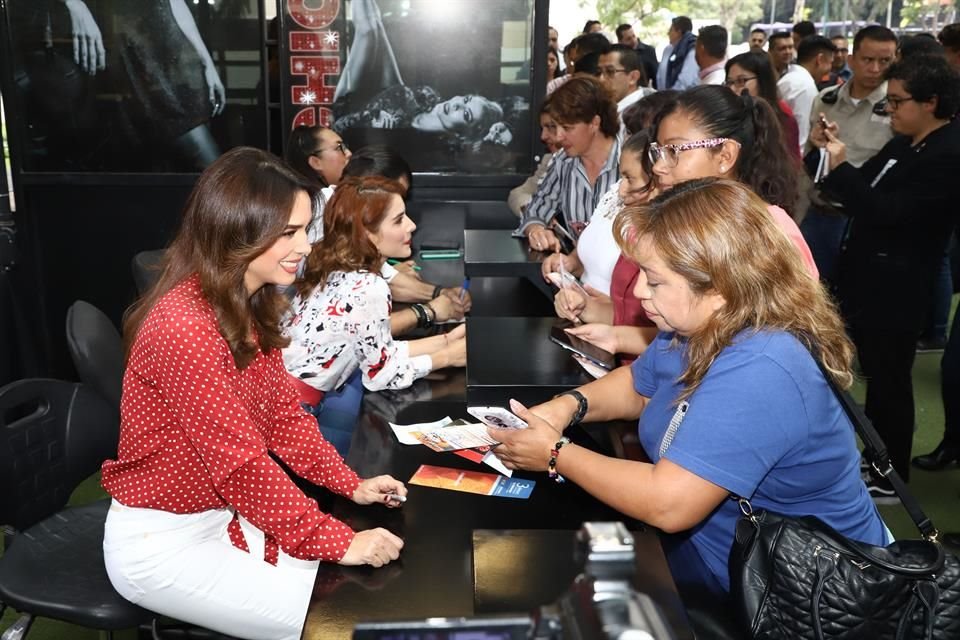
point(856, 109)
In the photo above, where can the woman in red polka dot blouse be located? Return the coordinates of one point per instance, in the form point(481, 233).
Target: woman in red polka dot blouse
point(205, 526)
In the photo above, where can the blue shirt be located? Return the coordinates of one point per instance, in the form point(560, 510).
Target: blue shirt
point(763, 424)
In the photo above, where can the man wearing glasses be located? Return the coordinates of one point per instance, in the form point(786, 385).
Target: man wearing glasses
point(621, 71)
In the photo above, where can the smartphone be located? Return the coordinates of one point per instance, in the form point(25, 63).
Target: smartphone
point(583, 348)
point(497, 417)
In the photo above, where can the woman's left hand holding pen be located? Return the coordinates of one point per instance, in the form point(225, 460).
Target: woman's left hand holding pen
point(380, 489)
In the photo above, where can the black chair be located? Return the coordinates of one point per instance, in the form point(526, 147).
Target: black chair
point(96, 349)
point(146, 269)
point(53, 435)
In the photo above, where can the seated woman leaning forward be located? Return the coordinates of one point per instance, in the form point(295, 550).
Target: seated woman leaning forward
point(730, 399)
point(204, 525)
point(341, 314)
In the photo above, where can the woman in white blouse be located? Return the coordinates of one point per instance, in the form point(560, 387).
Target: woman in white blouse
point(341, 315)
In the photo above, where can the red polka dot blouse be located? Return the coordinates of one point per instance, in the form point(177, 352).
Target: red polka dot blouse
point(195, 432)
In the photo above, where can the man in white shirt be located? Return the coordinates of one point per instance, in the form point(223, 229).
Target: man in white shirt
point(798, 87)
point(710, 53)
point(621, 72)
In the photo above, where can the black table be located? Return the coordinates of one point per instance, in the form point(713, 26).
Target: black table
point(506, 353)
point(442, 572)
point(495, 253)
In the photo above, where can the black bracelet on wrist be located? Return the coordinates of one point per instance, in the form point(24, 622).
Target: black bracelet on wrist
point(430, 313)
point(437, 292)
point(582, 406)
point(421, 315)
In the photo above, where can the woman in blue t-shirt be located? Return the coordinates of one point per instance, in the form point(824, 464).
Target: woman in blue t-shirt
point(729, 398)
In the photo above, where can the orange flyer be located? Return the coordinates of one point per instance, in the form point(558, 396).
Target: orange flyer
point(487, 484)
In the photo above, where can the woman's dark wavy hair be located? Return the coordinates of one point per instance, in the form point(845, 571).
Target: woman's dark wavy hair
point(927, 77)
point(357, 207)
point(763, 162)
point(759, 65)
point(239, 207)
point(581, 98)
point(302, 144)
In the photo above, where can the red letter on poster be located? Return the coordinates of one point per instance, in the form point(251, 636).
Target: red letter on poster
point(313, 18)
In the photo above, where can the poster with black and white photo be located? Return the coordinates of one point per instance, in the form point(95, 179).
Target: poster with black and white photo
point(134, 85)
point(447, 84)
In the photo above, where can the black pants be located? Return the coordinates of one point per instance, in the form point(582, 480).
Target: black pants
point(886, 361)
point(950, 384)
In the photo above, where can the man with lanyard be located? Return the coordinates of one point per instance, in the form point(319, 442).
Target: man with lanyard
point(857, 107)
point(678, 68)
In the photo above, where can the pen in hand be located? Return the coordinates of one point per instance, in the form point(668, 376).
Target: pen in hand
point(464, 288)
point(395, 497)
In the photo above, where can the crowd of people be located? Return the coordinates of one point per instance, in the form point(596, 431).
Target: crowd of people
point(681, 185)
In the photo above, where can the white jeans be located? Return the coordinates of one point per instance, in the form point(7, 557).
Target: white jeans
point(185, 567)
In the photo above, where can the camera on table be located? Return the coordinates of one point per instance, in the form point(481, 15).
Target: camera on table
point(601, 603)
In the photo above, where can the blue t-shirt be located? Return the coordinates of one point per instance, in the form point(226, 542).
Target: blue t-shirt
point(763, 424)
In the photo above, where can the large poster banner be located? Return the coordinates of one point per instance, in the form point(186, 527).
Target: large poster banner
point(134, 85)
point(444, 82)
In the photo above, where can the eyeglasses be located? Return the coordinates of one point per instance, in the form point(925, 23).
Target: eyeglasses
point(610, 71)
point(670, 153)
point(340, 146)
point(739, 82)
point(894, 102)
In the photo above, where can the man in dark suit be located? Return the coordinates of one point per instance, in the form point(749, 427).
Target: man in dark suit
point(648, 55)
point(903, 205)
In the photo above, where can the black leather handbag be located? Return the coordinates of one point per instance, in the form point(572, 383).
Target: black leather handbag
point(796, 577)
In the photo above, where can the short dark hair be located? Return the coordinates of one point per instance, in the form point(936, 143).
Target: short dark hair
point(589, 24)
point(758, 30)
point(714, 40)
point(922, 44)
point(805, 29)
point(926, 77)
point(683, 24)
point(579, 100)
point(378, 160)
point(588, 64)
point(630, 61)
point(874, 32)
point(591, 43)
point(811, 46)
point(623, 28)
point(949, 36)
point(779, 35)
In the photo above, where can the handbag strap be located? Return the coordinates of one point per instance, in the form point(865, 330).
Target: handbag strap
point(879, 457)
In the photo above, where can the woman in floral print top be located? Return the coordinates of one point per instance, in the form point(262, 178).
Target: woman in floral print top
point(341, 314)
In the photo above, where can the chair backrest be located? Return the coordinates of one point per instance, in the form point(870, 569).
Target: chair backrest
point(146, 269)
point(97, 351)
point(53, 435)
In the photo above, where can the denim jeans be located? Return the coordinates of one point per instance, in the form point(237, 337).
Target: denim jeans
point(337, 413)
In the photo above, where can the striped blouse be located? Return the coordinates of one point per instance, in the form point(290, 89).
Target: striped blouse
point(565, 191)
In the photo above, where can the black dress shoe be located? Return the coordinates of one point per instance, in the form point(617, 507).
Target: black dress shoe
point(943, 456)
point(951, 539)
